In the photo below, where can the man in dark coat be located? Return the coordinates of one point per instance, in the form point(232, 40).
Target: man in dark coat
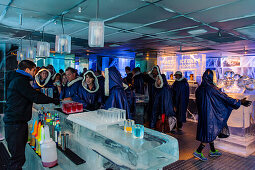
point(163, 103)
point(20, 99)
point(101, 80)
point(70, 91)
point(138, 82)
point(89, 92)
point(114, 89)
point(180, 98)
point(150, 79)
point(128, 80)
point(214, 108)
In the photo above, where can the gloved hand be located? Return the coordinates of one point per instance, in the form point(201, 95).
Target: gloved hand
point(56, 101)
point(245, 102)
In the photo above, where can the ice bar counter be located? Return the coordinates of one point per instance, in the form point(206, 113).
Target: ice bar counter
point(104, 144)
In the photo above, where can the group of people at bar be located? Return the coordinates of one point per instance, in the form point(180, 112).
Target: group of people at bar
point(95, 91)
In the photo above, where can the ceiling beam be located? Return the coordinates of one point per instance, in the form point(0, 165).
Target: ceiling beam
point(5, 10)
point(57, 16)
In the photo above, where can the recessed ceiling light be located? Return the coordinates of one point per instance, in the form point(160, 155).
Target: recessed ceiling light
point(114, 45)
point(195, 32)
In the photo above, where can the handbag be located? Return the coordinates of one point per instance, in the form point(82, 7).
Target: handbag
point(224, 133)
point(165, 124)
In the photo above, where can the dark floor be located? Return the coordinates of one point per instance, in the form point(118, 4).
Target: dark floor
point(188, 144)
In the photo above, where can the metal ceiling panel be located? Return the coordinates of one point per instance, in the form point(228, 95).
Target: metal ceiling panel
point(233, 24)
point(249, 31)
point(235, 10)
point(107, 8)
point(176, 23)
point(52, 7)
point(143, 16)
point(148, 30)
point(69, 27)
point(187, 6)
point(121, 37)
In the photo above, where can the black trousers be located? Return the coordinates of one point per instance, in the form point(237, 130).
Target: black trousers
point(16, 136)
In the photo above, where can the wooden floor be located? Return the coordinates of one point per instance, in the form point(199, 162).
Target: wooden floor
point(188, 144)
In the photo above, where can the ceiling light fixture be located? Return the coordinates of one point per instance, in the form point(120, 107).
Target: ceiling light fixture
point(96, 31)
point(43, 48)
point(31, 51)
point(196, 32)
point(79, 9)
point(63, 41)
point(20, 53)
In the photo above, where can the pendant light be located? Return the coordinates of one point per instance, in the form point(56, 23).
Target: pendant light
point(21, 54)
point(43, 48)
point(63, 41)
point(96, 31)
point(31, 51)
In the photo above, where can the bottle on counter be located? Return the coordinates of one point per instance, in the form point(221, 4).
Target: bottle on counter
point(48, 150)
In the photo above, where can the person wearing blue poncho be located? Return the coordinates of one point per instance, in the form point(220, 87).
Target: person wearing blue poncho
point(89, 92)
point(180, 98)
point(114, 89)
point(70, 91)
point(214, 108)
point(163, 103)
point(43, 80)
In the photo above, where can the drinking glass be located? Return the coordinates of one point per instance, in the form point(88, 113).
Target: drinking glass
point(128, 125)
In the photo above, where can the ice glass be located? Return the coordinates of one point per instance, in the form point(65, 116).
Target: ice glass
point(128, 125)
point(138, 131)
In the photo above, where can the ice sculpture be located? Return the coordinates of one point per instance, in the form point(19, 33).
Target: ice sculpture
point(235, 83)
point(250, 84)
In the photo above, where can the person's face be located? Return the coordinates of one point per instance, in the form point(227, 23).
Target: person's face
point(158, 81)
point(57, 77)
point(64, 79)
point(70, 76)
point(89, 80)
point(31, 72)
point(44, 75)
point(154, 72)
point(177, 76)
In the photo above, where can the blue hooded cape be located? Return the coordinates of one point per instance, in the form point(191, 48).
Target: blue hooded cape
point(72, 90)
point(138, 85)
point(91, 99)
point(163, 102)
point(47, 83)
point(214, 108)
point(181, 98)
point(114, 88)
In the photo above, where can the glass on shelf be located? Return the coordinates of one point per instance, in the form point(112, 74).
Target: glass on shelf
point(128, 124)
point(138, 131)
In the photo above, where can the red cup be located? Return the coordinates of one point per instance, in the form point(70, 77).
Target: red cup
point(79, 107)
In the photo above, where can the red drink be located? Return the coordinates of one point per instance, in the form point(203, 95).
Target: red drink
point(79, 107)
point(68, 108)
point(74, 107)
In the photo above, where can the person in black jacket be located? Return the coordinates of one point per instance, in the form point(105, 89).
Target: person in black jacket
point(128, 80)
point(20, 98)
